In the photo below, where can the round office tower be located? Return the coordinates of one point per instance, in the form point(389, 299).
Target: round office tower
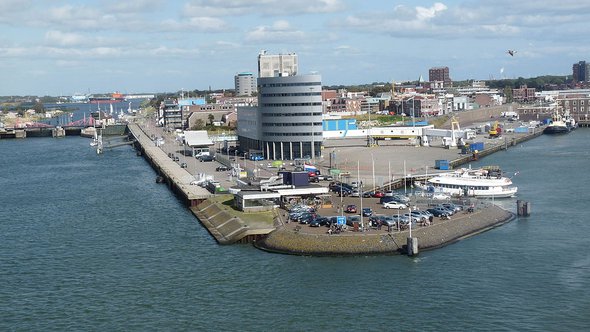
point(290, 116)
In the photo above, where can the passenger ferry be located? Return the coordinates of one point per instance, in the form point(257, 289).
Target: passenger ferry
point(484, 182)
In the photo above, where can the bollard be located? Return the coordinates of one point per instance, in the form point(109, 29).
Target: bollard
point(412, 246)
point(523, 208)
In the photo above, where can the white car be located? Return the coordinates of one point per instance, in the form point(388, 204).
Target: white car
point(394, 205)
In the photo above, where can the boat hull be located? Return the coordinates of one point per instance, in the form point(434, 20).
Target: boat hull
point(551, 130)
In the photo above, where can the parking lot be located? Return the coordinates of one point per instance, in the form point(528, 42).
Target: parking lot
point(340, 204)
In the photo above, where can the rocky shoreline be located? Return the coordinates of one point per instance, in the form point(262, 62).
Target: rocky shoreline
point(443, 232)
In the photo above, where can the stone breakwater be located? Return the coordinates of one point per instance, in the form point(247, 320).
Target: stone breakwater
point(441, 233)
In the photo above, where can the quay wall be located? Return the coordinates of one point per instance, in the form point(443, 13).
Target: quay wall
point(441, 233)
point(513, 141)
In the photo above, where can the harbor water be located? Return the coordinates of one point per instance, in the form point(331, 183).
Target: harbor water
point(92, 242)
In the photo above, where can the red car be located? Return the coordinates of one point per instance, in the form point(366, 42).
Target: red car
point(378, 194)
point(351, 209)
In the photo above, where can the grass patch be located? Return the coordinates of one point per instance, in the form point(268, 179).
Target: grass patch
point(226, 203)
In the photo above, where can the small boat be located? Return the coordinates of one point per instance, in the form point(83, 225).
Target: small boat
point(559, 124)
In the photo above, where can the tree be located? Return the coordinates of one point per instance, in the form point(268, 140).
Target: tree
point(508, 94)
point(211, 118)
point(199, 125)
point(39, 108)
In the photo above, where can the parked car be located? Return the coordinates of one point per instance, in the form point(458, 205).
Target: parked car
point(367, 212)
point(306, 218)
point(328, 177)
point(333, 185)
point(384, 220)
point(386, 199)
point(206, 158)
point(452, 206)
point(419, 215)
point(351, 209)
point(355, 193)
point(451, 210)
point(394, 205)
point(378, 194)
point(401, 198)
point(347, 186)
point(183, 165)
point(352, 219)
point(222, 168)
point(412, 217)
point(402, 219)
point(438, 212)
point(314, 179)
point(344, 192)
point(319, 221)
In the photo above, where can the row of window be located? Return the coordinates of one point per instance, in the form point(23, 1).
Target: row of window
point(295, 124)
point(292, 105)
point(273, 85)
point(574, 102)
point(291, 114)
point(452, 186)
point(575, 109)
point(291, 134)
point(292, 94)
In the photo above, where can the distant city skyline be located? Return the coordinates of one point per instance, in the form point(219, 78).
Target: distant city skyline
point(136, 46)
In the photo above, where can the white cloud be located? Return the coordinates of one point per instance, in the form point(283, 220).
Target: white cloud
point(279, 32)
point(261, 7)
point(11, 8)
point(135, 6)
point(198, 24)
point(64, 39)
point(423, 13)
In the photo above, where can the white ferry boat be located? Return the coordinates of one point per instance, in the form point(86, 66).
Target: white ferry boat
point(483, 182)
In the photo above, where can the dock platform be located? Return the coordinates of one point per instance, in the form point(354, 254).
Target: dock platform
point(177, 178)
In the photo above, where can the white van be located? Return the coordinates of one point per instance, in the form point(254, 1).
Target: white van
point(202, 153)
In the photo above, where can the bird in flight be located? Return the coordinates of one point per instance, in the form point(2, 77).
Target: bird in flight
point(511, 52)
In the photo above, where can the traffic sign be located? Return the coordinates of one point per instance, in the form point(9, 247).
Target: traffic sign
point(341, 220)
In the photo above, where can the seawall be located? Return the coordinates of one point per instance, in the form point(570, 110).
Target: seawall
point(441, 233)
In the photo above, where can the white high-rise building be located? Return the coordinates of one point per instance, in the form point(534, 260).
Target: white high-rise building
point(287, 123)
point(245, 84)
point(275, 65)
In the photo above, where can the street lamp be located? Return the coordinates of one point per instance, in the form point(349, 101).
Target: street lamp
point(360, 190)
point(389, 167)
point(373, 166)
point(312, 125)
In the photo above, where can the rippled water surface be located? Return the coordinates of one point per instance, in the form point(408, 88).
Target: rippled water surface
point(91, 242)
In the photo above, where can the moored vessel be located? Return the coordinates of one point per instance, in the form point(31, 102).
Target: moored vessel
point(559, 124)
point(115, 97)
point(483, 182)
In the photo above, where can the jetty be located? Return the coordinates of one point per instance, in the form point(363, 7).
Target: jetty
point(214, 211)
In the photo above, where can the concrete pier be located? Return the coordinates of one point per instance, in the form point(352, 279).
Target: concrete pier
point(177, 178)
point(523, 209)
point(58, 132)
point(412, 246)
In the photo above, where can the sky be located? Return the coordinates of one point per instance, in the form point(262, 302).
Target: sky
point(53, 47)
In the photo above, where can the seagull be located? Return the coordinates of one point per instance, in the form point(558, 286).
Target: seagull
point(511, 52)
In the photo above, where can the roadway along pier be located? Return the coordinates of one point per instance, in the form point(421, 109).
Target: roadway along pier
point(177, 178)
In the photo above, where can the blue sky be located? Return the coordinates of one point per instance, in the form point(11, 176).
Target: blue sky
point(53, 47)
